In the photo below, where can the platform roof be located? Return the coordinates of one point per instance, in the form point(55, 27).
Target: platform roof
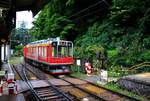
point(34, 5)
point(20, 5)
point(8, 8)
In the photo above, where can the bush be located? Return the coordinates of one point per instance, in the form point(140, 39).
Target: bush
point(18, 51)
point(112, 53)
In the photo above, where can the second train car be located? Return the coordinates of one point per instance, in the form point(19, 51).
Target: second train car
point(53, 55)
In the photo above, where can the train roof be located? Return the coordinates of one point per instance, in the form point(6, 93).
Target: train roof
point(46, 41)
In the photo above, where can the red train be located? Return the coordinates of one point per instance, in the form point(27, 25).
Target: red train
point(53, 55)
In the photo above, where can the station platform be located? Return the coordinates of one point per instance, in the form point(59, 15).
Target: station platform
point(22, 85)
point(139, 83)
point(6, 67)
point(18, 97)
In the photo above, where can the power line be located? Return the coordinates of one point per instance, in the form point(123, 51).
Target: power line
point(106, 3)
point(89, 14)
point(86, 8)
point(90, 7)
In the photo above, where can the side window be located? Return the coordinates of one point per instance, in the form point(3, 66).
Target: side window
point(33, 50)
point(29, 50)
point(39, 51)
point(36, 50)
point(44, 51)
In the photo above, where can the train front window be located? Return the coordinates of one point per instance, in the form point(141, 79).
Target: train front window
point(62, 50)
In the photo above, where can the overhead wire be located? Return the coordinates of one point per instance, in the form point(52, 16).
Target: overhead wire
point(89, 14)
point(86, 8)
point(99, 2)
point(106, 3)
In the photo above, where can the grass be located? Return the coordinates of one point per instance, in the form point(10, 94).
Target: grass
point(117, 74)
point(15, 60)
point(79, 75)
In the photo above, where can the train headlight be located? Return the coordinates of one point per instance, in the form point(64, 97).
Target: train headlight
point(85, 99)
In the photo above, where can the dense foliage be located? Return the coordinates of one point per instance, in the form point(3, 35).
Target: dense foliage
point(53, 22)
point(19, 37)
point(122, 29)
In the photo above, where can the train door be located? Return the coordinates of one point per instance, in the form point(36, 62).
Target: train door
point(54, 49)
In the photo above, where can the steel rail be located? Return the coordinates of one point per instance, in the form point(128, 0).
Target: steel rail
point(38, 76)
point(120, 94)
point(50, 84)
point(88, 92)
point(94, 95)
point(25, 78)
point(38, 98)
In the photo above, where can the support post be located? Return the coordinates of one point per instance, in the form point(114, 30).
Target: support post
point(5, 60)
point(0, 58)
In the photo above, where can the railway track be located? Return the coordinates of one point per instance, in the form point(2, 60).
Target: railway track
point(98, 93)
point(38, 73)
point(41, 76)
point(17, 76)
point(50, 93)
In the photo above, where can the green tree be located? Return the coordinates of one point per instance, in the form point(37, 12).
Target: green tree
point(122, 30)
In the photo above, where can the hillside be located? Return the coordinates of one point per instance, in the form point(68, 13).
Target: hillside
point(118, 28)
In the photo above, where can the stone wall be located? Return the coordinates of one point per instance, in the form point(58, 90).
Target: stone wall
point(139, 87)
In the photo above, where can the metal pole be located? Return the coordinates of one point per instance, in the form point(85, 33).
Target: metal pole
point(0, 58)
point(102, 64)
point(4, 52)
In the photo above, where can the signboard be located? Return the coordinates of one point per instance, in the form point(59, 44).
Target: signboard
point(78, 62)
point(2, 73)
point(104, 75)
point(12, 51)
